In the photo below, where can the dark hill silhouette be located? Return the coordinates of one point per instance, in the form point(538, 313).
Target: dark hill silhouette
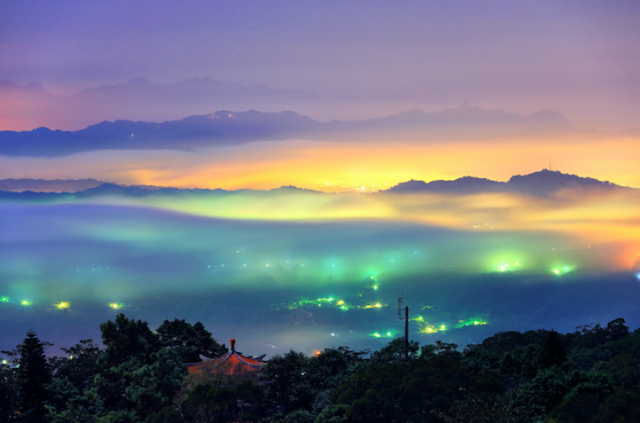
point(464, 185)
point(543, 183)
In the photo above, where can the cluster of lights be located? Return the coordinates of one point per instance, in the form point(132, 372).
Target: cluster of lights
point(426, 327)
point(374, 283)
point(471, 322)
point(505, 267)
point(561, 270)
point(358, 186)
point(340, 304)
point(61, 305)
point(23, 302)
point(388, 334)
point(432, 328)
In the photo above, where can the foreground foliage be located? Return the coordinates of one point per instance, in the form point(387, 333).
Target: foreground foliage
point(590, 375)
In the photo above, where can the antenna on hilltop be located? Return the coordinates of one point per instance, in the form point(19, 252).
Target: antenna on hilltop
point(406, 325)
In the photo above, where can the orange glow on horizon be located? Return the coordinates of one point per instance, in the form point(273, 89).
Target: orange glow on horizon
point(327, 166)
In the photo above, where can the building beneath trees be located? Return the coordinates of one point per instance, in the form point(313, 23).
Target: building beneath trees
point(233, 363)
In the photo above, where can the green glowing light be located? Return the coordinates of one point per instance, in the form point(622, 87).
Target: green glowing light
point(26, 303)
point(419, 318)
point(62, 305)
point(4, 361)
point(115, 306)
point(443, 327)
point(4, 299)
point(377, 335)
point(471, 322)
point(375, 287)
point(556, 271)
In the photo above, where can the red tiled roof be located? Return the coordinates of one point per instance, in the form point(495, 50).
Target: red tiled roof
point(231, 363)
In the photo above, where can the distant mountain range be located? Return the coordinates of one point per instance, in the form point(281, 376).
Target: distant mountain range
point(545, 183)
point(44, 185)
point(232, 128)
point(32, 106)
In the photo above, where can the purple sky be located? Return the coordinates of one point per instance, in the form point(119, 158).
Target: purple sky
point(581, 58)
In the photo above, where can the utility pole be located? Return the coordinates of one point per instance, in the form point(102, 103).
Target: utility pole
point(406, 327)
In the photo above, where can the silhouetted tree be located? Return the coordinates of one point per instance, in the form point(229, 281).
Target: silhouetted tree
point(208, 403)
point(138, 373)
point(166, 415)
point(393, 352)
point(7, 392)
point(616, 329)
point(189, 341)
point(554, 353)
point(288, 381)
point(33, 376)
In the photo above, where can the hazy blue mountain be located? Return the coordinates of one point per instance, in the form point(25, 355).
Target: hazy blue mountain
point(190, 90)
point(33, 88)
point(48, 185)
point(227, 128)
point(31, 106)
point(215, 129)
point(464, 120)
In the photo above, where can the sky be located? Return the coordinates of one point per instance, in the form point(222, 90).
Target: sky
point(579, 58)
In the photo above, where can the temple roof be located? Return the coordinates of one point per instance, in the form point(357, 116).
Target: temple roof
point(232, 362)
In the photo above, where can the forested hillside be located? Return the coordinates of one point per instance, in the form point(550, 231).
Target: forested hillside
point(138, 375)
